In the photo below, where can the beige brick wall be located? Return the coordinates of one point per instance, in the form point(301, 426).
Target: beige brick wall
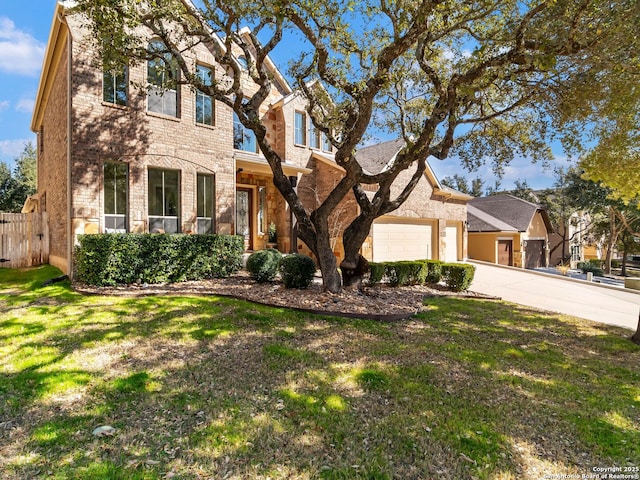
point(104, 132)
point(52, 166)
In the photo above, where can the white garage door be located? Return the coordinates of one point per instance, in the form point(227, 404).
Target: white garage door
point(401, 241)
point(451, 249)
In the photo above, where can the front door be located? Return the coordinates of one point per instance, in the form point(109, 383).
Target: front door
point(505, 252)
point(244, 202)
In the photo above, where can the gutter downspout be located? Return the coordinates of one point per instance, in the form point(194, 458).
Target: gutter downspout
point(70, 230)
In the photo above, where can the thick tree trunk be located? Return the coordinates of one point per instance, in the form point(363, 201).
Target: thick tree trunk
point(355, 266)
point(636, 336)
point(331, 281)
point(613, 238)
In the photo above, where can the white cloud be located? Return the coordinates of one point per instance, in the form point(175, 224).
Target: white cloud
point(25, 105)
point(20, 52)
point(4, 104)
point(12, 148)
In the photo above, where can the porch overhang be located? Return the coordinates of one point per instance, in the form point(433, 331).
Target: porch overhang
point(259, 165)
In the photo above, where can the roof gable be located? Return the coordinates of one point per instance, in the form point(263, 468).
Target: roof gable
point(375, 159)
point(480, 221)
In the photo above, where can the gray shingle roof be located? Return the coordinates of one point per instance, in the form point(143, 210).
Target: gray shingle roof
point(483, 222)
point(374, 158)
point(513, 211)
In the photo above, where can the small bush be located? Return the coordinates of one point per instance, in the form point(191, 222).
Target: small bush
point(434, 271)
point(297, 270)
point(592, 265)
point(376, 272)
point(458, 276)
point(263, 264)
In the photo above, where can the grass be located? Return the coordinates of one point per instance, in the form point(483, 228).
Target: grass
point(206, 387)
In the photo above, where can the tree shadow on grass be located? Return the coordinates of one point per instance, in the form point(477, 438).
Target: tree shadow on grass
point(211, 387)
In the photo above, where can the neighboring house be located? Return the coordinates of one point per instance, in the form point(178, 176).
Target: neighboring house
point(507, 230)
point(113, 157)
point(579, 243)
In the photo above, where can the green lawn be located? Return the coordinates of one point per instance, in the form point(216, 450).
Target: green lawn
point(207, 387)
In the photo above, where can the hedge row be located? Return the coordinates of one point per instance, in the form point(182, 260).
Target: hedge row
point(123, 259)
point(457, 276)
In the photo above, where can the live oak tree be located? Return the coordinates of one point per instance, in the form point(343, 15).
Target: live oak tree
point(485, 79)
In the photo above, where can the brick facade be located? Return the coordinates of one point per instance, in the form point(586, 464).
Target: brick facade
point(80, 140)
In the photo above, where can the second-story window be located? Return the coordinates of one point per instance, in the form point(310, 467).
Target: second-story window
point(243, 138)
point(314, 135)
point(162, 76)
point(204, 102)
point(326, 144)
point(300, 128)
point(114, 86)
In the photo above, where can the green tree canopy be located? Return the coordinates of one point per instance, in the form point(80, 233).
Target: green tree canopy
point(488, 80)
point(16, 186)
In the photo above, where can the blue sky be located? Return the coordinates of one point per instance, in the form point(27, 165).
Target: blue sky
point(24, 30)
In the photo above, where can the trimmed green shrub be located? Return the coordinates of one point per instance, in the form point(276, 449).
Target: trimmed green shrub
point(434, 271)
point(592, 265)
point(122, 259)
point(296, 270)
point(406, 272)
point(263, 264)
point(458, 276)
point(376, 272)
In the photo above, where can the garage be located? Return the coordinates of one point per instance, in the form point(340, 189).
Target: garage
point(534, 254)
point(395, 239)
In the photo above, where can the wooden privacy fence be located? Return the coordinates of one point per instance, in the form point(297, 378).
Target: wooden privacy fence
point(24, 239)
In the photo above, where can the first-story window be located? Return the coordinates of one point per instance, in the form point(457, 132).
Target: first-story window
point(262, 210)
point(576, 254)
point(116, 188)
point(164, 201)
point(206, 204)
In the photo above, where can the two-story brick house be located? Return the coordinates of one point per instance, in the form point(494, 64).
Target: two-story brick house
point(114, 156)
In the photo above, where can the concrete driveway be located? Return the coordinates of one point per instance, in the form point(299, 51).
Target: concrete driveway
point(610, 305)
